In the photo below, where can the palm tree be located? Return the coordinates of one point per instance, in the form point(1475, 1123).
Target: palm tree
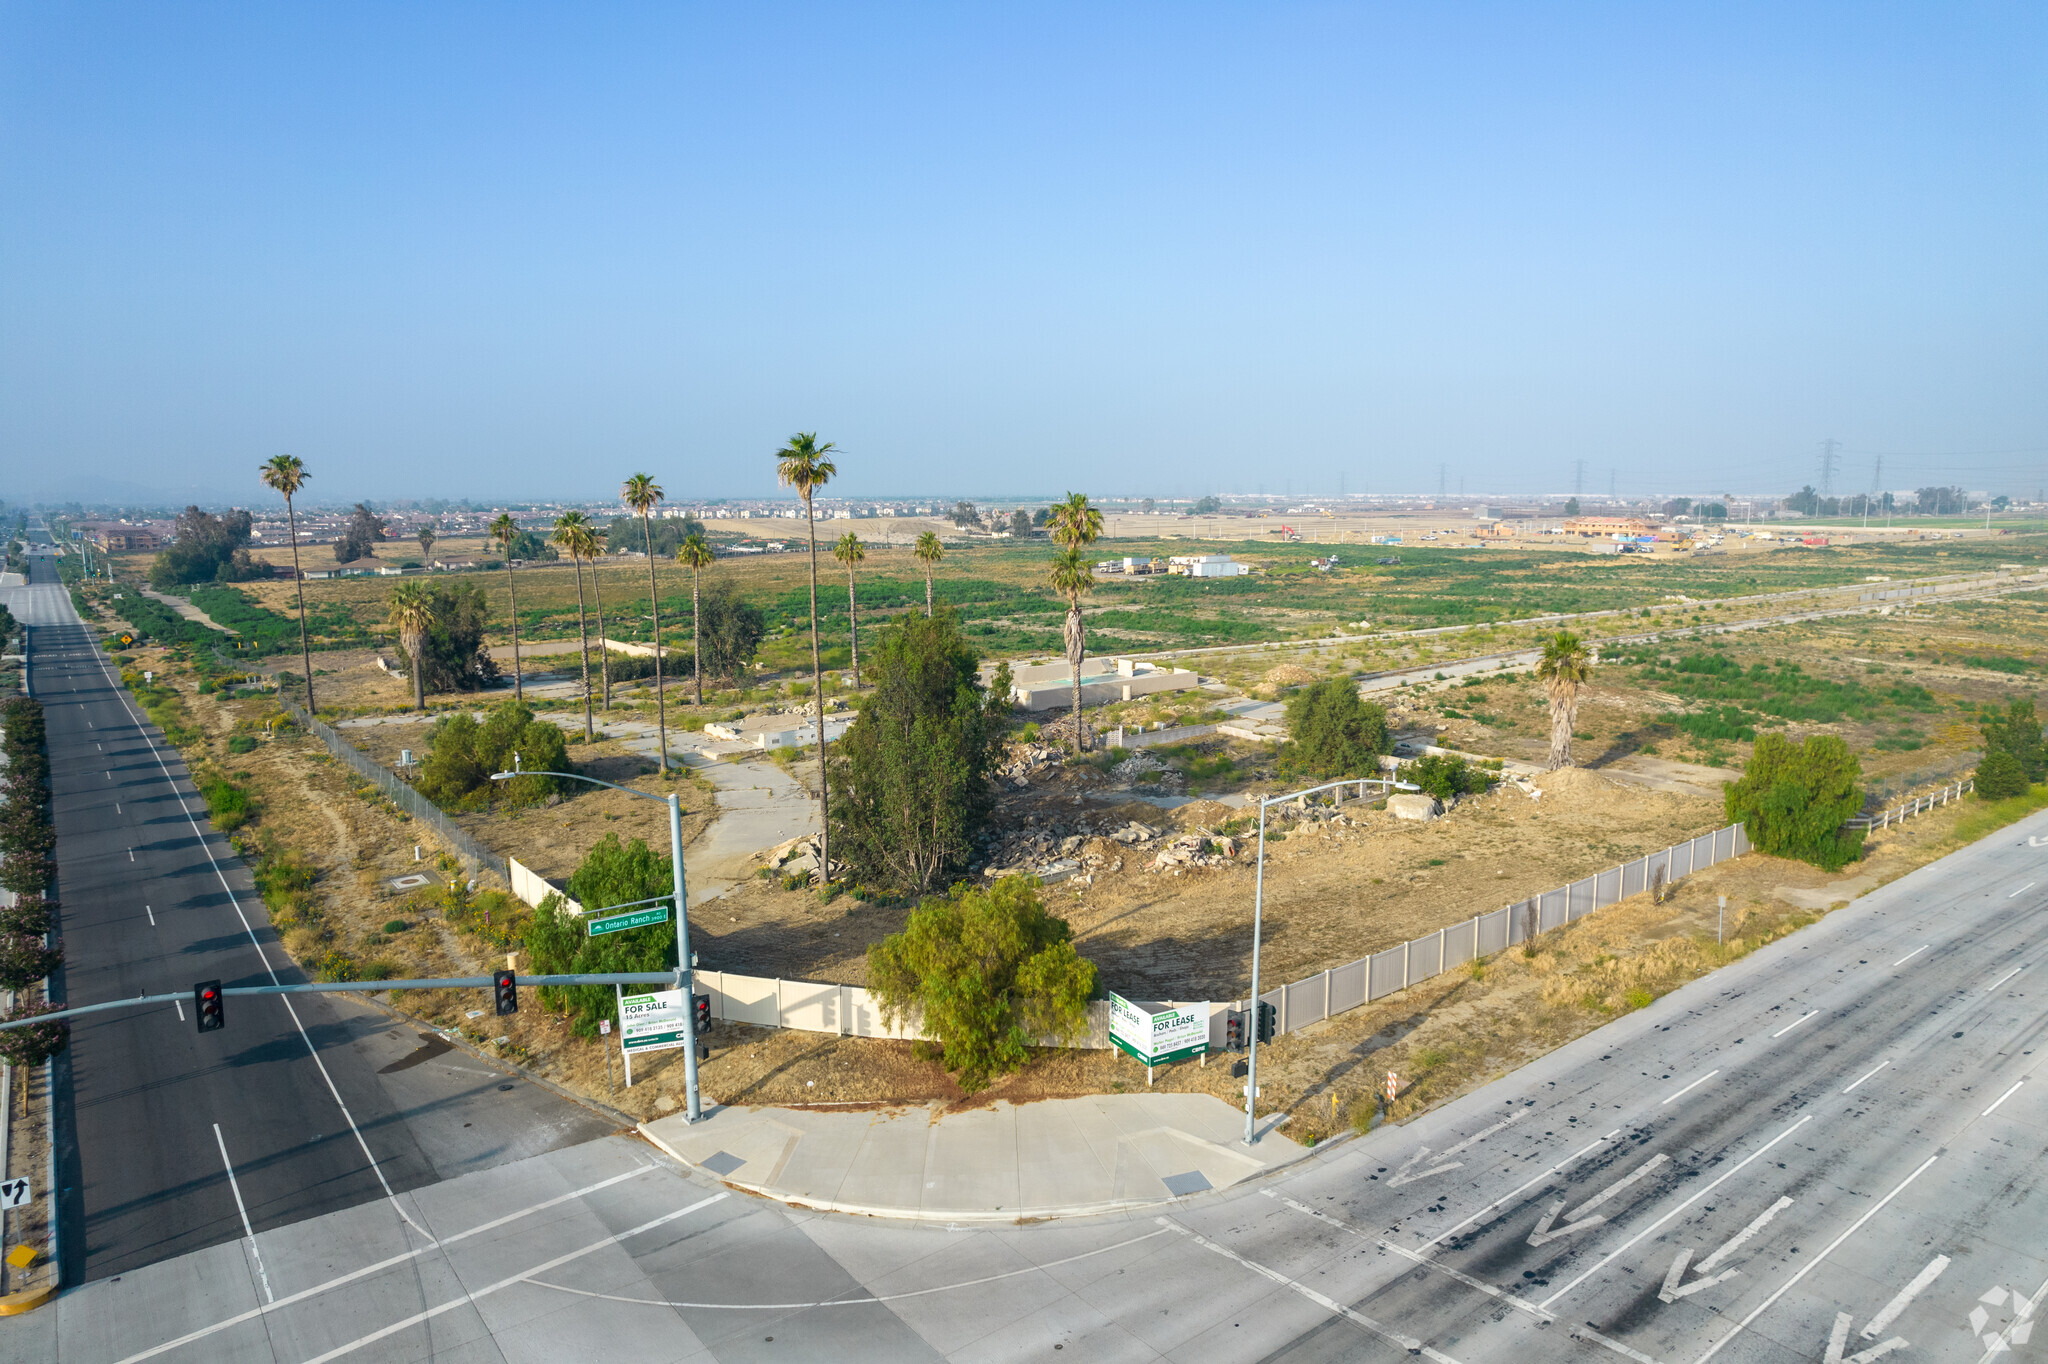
point(802, 464)
point(506, 532)
point(1566, 666)
point(929, 551)
point(641, 493)
point(851, 551)
point(1074, 524)
point(572, 532)
point(412, 611)
point(286, 474)
point(695, 554)
point(1073, 577)
point(427, 538)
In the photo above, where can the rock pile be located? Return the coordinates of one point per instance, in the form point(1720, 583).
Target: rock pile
point(1024, 762)
point(1196, 850)
point(1062, 848)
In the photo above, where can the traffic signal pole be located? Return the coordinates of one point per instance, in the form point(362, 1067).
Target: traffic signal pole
point(1254, 1012)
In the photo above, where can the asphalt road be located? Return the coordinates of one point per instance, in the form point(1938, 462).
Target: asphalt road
point(1831, 1150)
point(171, 1141)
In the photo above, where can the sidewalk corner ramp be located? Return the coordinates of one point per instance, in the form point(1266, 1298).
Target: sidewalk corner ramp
point(1103, 1153)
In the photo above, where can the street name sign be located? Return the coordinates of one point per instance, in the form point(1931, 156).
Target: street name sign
point(1158, 1033)
point(639, 918)
point(655, 1022)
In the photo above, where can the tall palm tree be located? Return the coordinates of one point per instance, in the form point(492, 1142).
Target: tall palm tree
point(506, 532)
point(594, 548)
point(850, 551)
point(641, 493)
point(1565, 667)
point(1074, 525)
point(572, 533)
point(1073, 577)
point(695, 554)
point(802, 464)
point(286, 474)
point(412, 611)
point(929, 551)
point(427, 538)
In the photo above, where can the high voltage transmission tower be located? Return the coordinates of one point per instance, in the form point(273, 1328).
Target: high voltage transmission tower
point(1828, 460)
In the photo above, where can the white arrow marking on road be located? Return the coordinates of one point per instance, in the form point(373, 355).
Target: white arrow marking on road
point(1838, 1340)
point(1735, 1242)
point(1403, 1177)
point(1671, 1292)
point(1579, 1220)
point(1905, 1297)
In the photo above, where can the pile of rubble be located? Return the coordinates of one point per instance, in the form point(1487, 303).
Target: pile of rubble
point(799, 857)
point(1198, 850)
point(1061, 849)
point(1024, 762)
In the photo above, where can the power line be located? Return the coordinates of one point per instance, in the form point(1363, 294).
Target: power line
point(1828, 457)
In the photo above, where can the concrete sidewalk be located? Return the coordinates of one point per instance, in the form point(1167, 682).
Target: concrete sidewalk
point(1005, 1163)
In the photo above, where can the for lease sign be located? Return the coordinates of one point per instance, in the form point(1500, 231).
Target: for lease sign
point(653, 1022)
point(1158, 1033)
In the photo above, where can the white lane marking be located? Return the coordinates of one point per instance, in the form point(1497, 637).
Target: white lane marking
point(264, 957)
point(380, 1266)
point(2004, 978)
point(1810, 1265)
point(1627, 1351)
point(152, 915)
point(1912, 954)
point(1838, 1341)
point(1672, 1292)
point(1873, 1070)
point(407, 1323)
point(247, 1231)
point(1795, 1023)
point(1502, 1202)
point(117, 807)
point(2002, 1098)
point(180, 1008)
point(1736, 1242)
point(1466, 1279)
point(1408, 1343)
point(2004, 1338)
point(131, 854)
point(1904, 1298)
point(1579, 1221)
point(1403, 1177)
point(848, 1302)
point(1608, 1258)
point(1694, 1085)
point(2028, 886)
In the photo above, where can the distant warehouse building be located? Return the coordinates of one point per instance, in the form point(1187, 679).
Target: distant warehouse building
point(1043, 686)
point(1608, 526)
point(1206, 566)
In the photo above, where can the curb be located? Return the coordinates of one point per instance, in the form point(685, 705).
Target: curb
point(1003, 1216)
point(14, 1304)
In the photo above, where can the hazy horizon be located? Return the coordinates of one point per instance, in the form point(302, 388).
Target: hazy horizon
point(519, 252)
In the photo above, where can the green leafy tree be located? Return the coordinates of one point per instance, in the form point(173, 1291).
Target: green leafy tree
point(733, 631)
point(1333, 732)
point(285, 475)
point(2018, 734)
point(462, 754)
point(986, 973)
point(206, 548)
point(1565, 668)
point(1207, 506)
point(2000, 775)
point(360, 537)
point(1446, 776)
point(441, 629)
point(560, 944)
point(427, 536)
point(912, 770)
point(1794, 798)
point(803, 464)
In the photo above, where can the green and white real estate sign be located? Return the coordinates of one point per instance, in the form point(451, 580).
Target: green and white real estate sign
point(1157, 1033)
point(655, 1022)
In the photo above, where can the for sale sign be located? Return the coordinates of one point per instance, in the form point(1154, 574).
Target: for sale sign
point(1158, 1033)
point(654, 1022)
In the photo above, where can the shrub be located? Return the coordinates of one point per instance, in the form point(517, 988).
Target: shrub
point(1446, 776)
point(1794, 798)
point(987, 972)
point(227, 804)
point(1333, 732)
point(36, 1043)
point(338, 966)
point(24, 960)
point(397, 926)
point(1999, 775)
point(241, 743)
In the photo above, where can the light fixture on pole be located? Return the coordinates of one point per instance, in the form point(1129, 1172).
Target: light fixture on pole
point(685, 961)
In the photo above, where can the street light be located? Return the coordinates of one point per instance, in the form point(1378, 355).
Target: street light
point(1251, 1079)
point(685, 981)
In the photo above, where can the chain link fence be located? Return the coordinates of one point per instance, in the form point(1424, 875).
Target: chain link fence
point(402, 795)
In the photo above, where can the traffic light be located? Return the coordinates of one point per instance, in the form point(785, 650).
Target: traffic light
point(507, 986)
point(1233, 1031)
point(1268, 1016)
point(701, 1014)
point(206, 1006)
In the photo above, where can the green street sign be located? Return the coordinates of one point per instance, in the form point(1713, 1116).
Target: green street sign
point(639, 918)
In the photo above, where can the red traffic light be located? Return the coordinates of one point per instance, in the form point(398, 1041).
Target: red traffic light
point(506, 986)
point(206, 1006)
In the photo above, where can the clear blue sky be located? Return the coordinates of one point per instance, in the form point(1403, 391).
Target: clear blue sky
point(501, 250)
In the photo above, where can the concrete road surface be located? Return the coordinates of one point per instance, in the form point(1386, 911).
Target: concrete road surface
point(1832, 1150)
point(171, 1141)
